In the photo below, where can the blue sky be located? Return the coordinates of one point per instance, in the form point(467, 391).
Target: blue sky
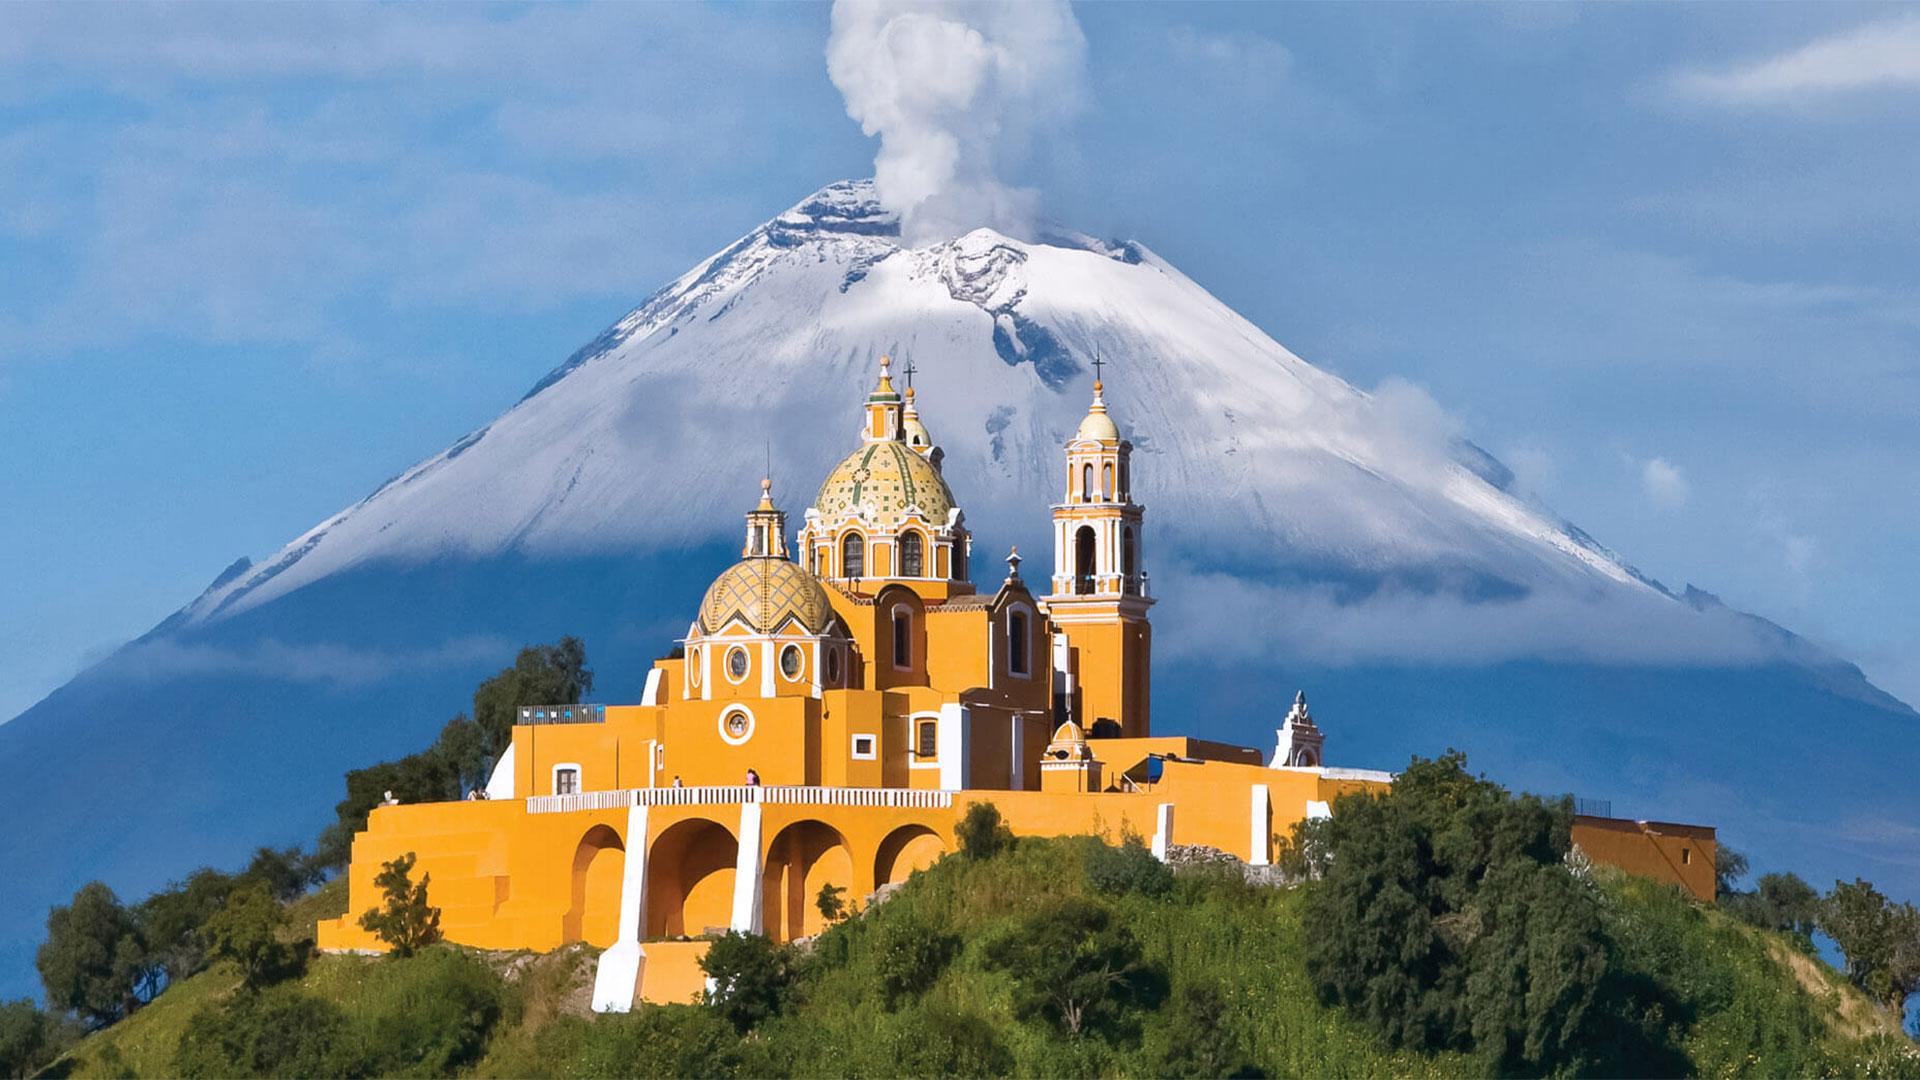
point(1663, 260)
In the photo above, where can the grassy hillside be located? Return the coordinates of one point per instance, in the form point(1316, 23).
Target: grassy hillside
point(1222, 988)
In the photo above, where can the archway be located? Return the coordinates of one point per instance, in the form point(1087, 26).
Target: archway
point(803, 857)
point(593, 914)
point(1083, 543)
point(906, 849)
point(690, 879)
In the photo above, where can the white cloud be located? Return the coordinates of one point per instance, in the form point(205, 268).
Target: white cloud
point(1878, 55)
point(953, 91)
point(1664, 483)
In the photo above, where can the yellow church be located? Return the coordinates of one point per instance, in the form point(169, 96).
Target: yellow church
point(838, 702)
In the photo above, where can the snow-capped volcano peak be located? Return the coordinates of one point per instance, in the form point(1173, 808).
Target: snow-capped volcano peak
point(1250, 457)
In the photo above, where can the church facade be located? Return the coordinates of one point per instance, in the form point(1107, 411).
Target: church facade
point(843, 693)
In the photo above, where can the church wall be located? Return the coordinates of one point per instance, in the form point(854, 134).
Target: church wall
point(1681, 855)
point(780, 731)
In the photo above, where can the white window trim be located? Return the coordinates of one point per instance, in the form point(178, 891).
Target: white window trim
point(873, 747)
point(721, 722)
point(579, 777)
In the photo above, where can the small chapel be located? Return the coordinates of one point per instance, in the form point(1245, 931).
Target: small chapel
point(844, 692)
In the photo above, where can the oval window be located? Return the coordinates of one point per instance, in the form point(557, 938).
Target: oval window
point(693, 665)
point(737, 664)
point(790, 660)
point(833, 665)
point(736, 726)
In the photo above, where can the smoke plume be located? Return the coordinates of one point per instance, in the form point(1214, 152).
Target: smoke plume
point(955, 91)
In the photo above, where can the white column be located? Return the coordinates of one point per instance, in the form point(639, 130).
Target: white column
point(616, 980)
point(766, 668)
point(747, 870)
point(1261, 835)
point(1163, 831)
point(1015, 732)
point(955, 746)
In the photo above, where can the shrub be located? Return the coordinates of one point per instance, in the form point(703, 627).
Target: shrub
point(657, 1041)
point(981, 832)
point(908, 956)
point(940, 1040)
point(750, 976)
point(1072, 964)
point(430, 1015)
point(407, 923)
point(1129, 868)
point(280, 1032)
point(1197, 1035)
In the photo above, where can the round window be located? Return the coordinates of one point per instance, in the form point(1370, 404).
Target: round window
point(833, 665)
point(790, 661)
point(737, 663)
point(736, 726)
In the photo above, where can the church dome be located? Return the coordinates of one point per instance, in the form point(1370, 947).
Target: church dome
point(882, 480)
point(764, 593)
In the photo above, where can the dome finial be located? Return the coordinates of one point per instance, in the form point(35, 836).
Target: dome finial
point(766, 494)
point(1013, 564)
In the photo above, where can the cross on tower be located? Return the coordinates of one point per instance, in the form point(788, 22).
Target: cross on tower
point(910, 369)
point(1097, 362)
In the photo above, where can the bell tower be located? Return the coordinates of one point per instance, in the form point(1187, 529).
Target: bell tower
point(1099, 597)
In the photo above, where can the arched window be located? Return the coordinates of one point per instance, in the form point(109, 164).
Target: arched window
point(813, 559)
point(853, 557)
point(902, 639)
point(1083, 560)
point(1086, 483)
point(759, 539)
point(1129, 561)
point(911, 561)
point(1017, 642)
point(1106, 481)
point(960, 559)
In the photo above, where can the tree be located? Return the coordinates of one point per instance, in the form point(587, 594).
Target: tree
point(1071, 963)
point(832, 906)
point(908, 956)
point(1789, 905)
point(554, 674)
point(407, 922)
point(171, 920)
point(1729, 866)
point(93, 961)
point(981, 832)
point(23, 1039)
point(247, 931)
point(286, 873)
point(1447, 919)
point(750, 977)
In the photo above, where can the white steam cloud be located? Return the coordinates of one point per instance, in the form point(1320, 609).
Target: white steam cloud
point(954, 91)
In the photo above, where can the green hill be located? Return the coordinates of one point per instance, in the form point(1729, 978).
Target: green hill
point(953, 975)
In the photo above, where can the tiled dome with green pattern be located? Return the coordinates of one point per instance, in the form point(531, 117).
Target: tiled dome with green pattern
point(883, 479)
point(763, 593)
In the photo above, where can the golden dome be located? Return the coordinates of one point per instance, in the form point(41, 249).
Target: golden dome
point(1098, 425)
point(884, 479)
point(763, 594)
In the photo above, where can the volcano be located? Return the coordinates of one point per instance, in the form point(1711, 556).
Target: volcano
point(1300, 532)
